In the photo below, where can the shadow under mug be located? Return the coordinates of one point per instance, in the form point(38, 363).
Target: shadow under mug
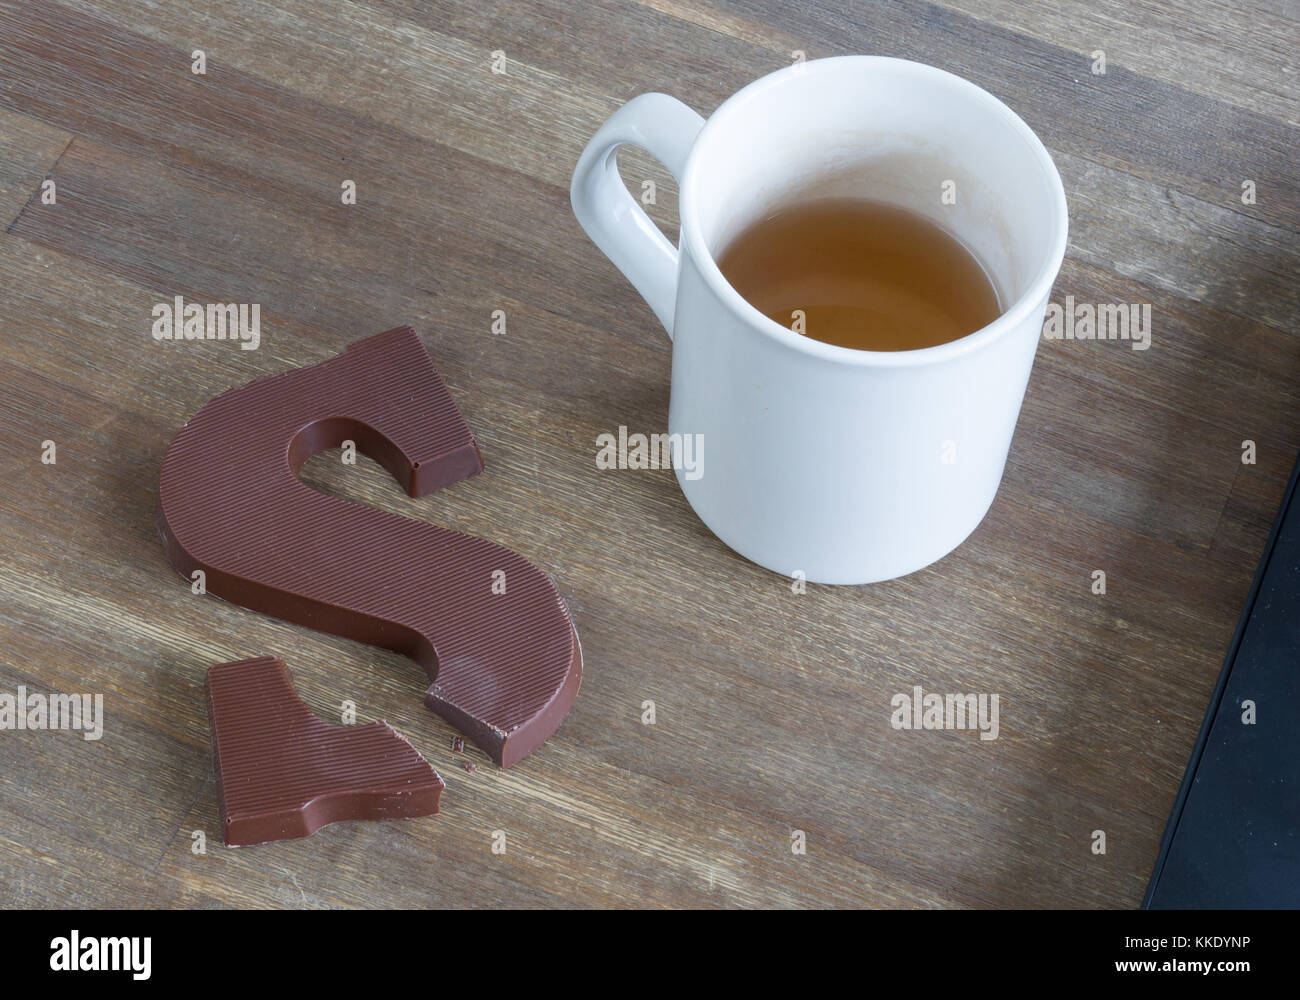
point(845, 465)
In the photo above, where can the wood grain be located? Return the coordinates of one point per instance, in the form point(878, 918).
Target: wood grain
point(772, 708)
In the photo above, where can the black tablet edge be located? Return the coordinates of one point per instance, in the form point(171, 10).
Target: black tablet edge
point(1189, 776)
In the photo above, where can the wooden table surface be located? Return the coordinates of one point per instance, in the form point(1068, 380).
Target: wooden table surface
point(772, 708)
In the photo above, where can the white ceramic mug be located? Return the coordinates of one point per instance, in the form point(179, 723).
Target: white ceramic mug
point(848, 466)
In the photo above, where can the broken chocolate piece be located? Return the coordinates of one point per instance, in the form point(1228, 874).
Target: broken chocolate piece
point(283, 773)
point(487, 625)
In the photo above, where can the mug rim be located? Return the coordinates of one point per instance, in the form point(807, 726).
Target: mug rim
point(1008, 319)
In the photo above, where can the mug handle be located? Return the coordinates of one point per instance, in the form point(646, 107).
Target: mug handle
point(666, 128)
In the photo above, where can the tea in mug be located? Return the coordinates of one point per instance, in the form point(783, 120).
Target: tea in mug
point(861, 274)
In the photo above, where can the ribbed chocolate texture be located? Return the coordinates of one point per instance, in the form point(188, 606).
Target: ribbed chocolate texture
point(284, 773)
point(504, 667)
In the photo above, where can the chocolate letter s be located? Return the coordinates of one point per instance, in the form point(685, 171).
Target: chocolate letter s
point(504, 663)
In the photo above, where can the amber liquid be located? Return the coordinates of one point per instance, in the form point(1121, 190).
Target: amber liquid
point(861, 274)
